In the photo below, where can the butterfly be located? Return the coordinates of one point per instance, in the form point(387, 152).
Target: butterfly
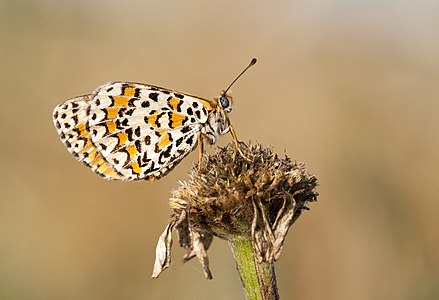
point(135, 131)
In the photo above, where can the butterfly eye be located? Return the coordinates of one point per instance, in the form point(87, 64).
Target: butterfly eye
point(224, 102)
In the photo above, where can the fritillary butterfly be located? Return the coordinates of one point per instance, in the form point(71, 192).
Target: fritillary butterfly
point(135, 131)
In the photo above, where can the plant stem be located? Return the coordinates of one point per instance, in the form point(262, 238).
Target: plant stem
point(258, 279)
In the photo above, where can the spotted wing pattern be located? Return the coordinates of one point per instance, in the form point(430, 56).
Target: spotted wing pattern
point(132, 131)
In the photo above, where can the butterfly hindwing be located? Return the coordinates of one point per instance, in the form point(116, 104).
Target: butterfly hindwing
point(143, 130)
point(70, 120)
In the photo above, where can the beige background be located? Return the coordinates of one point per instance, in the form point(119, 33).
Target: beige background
point(349, 87)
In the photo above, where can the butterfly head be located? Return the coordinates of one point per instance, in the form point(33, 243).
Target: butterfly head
point(225, 101)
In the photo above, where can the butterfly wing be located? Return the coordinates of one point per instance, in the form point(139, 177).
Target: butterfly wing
point(70, 119)
point(140, 131)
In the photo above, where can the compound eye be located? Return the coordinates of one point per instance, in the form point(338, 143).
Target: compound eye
point(224, 102)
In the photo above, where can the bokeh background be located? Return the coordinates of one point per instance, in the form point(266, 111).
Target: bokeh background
point(349, 87)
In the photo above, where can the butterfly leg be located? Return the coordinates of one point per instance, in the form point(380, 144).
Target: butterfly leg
point(201, 136)
point(235, 140)
point(200, 150)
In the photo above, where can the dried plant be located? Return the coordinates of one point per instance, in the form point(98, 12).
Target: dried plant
point(251, 202)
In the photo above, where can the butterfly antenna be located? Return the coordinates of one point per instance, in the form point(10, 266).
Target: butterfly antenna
point(254, 60)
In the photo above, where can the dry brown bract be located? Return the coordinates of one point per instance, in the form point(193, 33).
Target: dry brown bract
point(234, 198)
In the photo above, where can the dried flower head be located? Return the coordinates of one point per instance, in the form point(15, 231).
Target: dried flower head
point(256, 198)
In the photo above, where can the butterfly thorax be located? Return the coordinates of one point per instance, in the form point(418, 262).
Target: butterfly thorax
point(215, 126)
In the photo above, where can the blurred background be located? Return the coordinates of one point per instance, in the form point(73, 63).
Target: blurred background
point(349, 87)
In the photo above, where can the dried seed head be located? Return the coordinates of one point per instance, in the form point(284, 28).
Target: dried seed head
point(258, 197)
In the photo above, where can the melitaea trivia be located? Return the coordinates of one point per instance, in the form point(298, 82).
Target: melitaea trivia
point(135, 131)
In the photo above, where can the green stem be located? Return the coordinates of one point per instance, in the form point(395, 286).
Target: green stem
point(258, 279)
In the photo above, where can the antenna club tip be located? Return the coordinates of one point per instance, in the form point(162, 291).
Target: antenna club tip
point(254, 60)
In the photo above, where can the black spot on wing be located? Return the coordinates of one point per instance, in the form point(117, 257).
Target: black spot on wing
point(121, 124)
point(130, 111)
point(185, 129)
point(143, 160)
point(170, 119)
point(154, 96)
point(157, 120)
point(129, 132)
point(178, 141)
point(204, 110)
point(138, 145)
point(152, 169)
point(137, 131)
point(164, 154)
point(131, 102)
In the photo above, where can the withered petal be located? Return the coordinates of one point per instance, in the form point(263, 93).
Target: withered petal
point(163, 251)
point(200, 252)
